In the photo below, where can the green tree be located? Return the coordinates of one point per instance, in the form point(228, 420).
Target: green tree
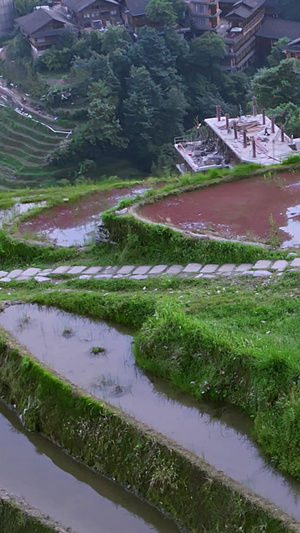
point(207, 50)
point(56, 60)
point(151, 50)
point(162, 13)
point(115, 37)
point(18, 47)
point(288, 114)
point(278, 85)
point(277, 54)
point(141, 110)
point(103, 126)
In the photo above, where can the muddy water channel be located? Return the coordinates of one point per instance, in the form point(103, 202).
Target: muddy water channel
point(239, 210)
point(40, 472)
point(75, 223)
point(218, 433)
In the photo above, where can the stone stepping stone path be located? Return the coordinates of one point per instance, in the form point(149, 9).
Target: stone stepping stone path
point(262, 268)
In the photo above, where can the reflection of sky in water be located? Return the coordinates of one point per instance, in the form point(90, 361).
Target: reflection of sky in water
point(218, 435)
point(35, 469)
point(83, 233)
point(292, 228)
point(18, 209)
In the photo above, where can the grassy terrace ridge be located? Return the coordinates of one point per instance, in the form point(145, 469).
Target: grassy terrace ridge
point(24, 145)
point(138, 242)
point(234, 340)
point(161, 243)
point(201, 498)
point(16, 516)
point(223, 340)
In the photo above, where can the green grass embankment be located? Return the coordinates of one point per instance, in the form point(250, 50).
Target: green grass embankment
point(24, 145)
point(14, 253)
point(143, 242)
point(114, 443)
point(16, 516)
point(235, 340)
point(156, 243)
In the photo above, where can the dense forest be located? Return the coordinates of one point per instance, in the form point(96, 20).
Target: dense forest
point(129, 96)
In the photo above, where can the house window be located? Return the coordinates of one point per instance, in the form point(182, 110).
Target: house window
point(199, 8)
point(114, 12)
point(40, 40)
point(202, 21)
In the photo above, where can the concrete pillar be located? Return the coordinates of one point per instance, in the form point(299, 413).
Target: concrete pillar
point(227, 121)
point(263, 111)
point(235, 130)
point(245, 138)
point(254, 106)
point(282, 132)
point(253, 147)
point(272, 124)
point(218, 112)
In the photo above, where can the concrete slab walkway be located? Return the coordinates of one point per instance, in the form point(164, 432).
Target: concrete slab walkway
point(262, 268)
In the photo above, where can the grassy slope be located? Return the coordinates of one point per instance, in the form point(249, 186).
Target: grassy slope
point(234, 340)
point(24, 145)
point(230, 340)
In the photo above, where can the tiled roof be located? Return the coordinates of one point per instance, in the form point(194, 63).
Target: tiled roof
point(273, 28)
point(244, 8)
point(137, 7)
point(36, 20)
point(79, 5)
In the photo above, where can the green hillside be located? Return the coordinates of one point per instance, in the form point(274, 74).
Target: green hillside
point(24, 145)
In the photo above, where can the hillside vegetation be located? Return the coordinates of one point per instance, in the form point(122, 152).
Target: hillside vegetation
point(24, 145)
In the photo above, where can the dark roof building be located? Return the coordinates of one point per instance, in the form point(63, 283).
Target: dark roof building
point(42, 27)
point(204, 15)
point(134, 13)
point(137, 7)
point(272, 8)
point(238, 28)
point(38, 19)
point(292, 49)
point(94, 13)
point(274, 29)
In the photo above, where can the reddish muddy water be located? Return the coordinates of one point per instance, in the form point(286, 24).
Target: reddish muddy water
point(237, 210)
point(74, 223)
point(221, 434)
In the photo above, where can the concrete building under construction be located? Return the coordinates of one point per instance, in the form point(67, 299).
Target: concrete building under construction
point(246, 139)
point(7, 13)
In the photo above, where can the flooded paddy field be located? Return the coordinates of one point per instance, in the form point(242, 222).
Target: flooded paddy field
point(250, 209)
point(75, 223)
point(34, 468)
point(18, 209)
point(98, 357)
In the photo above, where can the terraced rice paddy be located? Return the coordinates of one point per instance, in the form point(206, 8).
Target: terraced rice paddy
point(250, 209)
point(24, 145)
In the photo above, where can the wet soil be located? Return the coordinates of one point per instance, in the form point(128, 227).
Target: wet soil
point(75, 223)
point(237, 210)
point(37, 470)
point(219, 433)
